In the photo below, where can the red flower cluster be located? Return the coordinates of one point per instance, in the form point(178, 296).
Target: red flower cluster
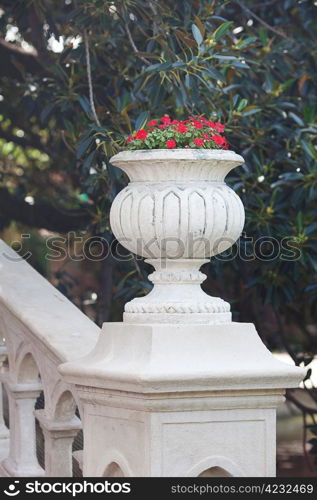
point(194, 132)
point(170, 143)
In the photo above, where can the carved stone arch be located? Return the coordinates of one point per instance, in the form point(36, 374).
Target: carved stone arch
point(27, 369)
point(61, 393)
point(114, 470)
point(216, 466)
point(14, 347)
point(65, 406)
point(215, 472)
point(117, 465)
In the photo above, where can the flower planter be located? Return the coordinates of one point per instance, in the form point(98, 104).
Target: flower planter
point(177, 212)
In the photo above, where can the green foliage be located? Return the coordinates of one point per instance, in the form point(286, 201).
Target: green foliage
point(252, 65)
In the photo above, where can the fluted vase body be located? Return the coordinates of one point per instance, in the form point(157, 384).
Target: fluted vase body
point(177, 212)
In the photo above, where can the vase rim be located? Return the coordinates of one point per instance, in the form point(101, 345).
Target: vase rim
point(177, 154)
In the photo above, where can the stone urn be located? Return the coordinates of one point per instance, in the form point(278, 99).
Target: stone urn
point(177, 212)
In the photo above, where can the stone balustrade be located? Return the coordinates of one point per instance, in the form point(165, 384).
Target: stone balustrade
point(40, 329)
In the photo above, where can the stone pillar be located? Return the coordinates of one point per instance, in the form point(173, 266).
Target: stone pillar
point(59, 436)
point(180, 400)
point(22, 460)
point(4, 431)
point(178, 389)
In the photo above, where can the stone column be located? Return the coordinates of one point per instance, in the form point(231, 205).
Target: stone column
point(59, 436)
point(180, 400)
point(4, 431)
point(178, 389)
point(22, 460)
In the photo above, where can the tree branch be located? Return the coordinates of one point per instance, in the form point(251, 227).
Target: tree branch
point(261, 21)
point(135, 49)
point(42, 215)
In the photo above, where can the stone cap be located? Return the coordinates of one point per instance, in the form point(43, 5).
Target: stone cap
point(158, 358)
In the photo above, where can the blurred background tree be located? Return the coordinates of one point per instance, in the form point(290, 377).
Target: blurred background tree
point(78, 75)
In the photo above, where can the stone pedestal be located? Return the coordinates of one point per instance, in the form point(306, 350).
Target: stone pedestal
point(180, 400)
point(22, 460)
point(59, 436)
point(177, 389)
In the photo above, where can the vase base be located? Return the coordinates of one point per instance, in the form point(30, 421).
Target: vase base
point(187, 318)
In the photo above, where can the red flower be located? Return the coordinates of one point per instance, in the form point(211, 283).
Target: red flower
point(141, 134)
point(206, 136)
point(199, 142)
point(166, 119)
point(220, 141)
point(203, 119)
point(181, 128)
point(162, 126)
point(130, 138)
point(217, 126)
point(170, 143)
point(197, 124)
point(152, 123)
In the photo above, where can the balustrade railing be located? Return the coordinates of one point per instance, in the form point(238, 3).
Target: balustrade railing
point(40, 329)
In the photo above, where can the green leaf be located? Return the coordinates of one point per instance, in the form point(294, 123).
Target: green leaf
point(83, 146)
point(299, 221)
point(87, 163)
point(224, 58)
point(159, 67)
point(312, 228)
point(309, 149)
point(84, 102)
point(263, 35)
point(141, 120)
point(251, 112)
point(215, 74)
point(178, 64)
point(197, 35)
point(296, 118)
point(242, 104)
point(46, 111)
point(235, 100)
point(247, 41)
point(222, 30)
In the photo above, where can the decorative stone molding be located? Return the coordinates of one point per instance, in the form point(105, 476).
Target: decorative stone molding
point(177, 212)
point(190, 276)
point(177, 296)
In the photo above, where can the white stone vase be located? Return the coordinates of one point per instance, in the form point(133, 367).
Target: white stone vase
point(177, 212)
